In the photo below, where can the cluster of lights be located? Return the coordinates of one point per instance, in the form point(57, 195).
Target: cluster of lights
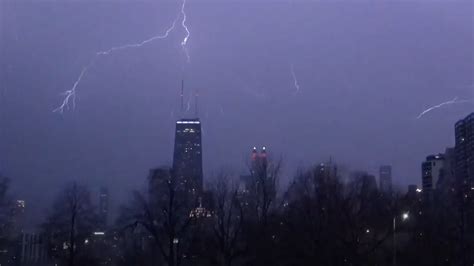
point(200, 212)
point(188, 122)
point(20, 203)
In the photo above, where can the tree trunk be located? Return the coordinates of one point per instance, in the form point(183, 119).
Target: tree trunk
point(72, 240)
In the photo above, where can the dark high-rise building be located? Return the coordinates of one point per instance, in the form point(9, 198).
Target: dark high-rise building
point(464, 153)
point(258, 166)
point(187, 158)
point(385, 179)
point(447, 180)
point(103, 207)
point(432, 171)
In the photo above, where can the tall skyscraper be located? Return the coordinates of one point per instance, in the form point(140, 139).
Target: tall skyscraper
point(464, 153)
point(187, 158)
point(385, 179)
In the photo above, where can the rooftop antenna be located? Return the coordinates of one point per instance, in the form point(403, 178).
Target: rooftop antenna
point(182, 95)
point(196, 104)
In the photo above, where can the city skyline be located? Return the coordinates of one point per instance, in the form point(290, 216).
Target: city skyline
point(361, 85)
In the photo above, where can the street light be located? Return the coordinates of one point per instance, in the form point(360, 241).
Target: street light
point(176, 249)
point(405, 216)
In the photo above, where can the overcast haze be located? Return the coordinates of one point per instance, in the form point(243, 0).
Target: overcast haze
point(365, 71)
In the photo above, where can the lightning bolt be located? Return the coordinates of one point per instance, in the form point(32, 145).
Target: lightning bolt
point(70, 95)
point(453, 101)
point(140, 44)
point(295, 80)
point(188, 33)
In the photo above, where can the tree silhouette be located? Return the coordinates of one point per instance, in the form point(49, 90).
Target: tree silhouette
point(164, 214)
point(70, 225)
point(228, 221)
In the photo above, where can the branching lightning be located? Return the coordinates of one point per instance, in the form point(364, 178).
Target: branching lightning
point(295, 80)
point(70, 95)
point(453, 101)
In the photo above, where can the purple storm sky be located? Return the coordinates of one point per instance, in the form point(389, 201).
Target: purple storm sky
point(365, 70)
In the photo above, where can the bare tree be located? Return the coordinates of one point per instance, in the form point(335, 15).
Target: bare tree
point(5, 204)
point(258, 200)
point(310, 211)
point(165, 214)
point(365, 223)
point(329, 222)
point(5, 218)
point(70, 224)
point(262, 187)
point(228, 221)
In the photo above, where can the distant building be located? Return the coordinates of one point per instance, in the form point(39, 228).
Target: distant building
point(363, 181)
point(259, 179)
point(187, 158)
point(447, 180)
point(103, 207)
point(18, 217)
point(158, 181)
point(464, 153)
point(432, 170)
point(412, 190)
point(385, 179)
point(258, 165)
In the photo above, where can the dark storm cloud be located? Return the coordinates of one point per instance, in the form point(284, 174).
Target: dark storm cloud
point(365, 71)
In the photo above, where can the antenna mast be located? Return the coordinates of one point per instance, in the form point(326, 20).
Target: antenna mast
point(182, 95)
point(196, 103)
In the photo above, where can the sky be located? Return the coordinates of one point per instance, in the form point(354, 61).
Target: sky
point(365, 70)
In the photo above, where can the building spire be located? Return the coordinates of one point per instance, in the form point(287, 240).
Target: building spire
point(182, 96)
point(196, 103)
